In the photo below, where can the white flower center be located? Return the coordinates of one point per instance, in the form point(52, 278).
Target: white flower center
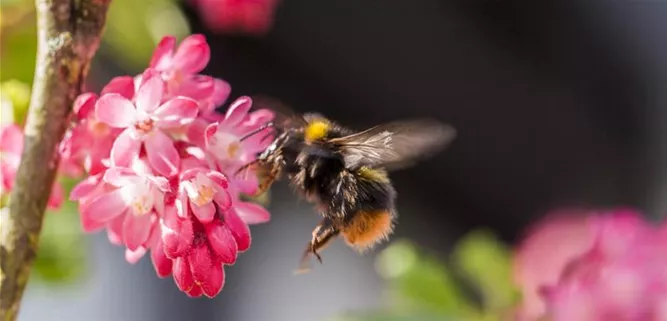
point(226, 146)
point(140, 197)
point(200, 190)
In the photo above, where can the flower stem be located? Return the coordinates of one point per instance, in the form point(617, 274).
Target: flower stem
point(68, 35)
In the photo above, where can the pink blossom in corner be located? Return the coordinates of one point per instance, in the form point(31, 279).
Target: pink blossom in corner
point(143, 122)
point(11, 147)
point(548, 247)
point(254, 17)
point(620, 275)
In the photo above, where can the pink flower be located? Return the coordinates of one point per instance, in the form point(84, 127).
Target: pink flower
point(157, 181)
point(203, 192)
point(87, 145)
point(199, 250)
point(223, 142)
point(620, 275)
point(144, 121)
point(179, 68)
point(237, 16)
point(549, 246)
point(11, 148)
point(130, 204)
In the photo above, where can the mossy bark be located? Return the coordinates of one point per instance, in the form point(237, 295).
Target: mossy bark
point(69, 34)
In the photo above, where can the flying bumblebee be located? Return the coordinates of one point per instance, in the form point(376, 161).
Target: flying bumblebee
point(345, 173)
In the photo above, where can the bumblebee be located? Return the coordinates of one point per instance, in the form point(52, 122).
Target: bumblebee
point(345, 172)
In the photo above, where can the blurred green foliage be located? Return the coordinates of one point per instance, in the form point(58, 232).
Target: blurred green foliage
point(135, 27)
point(473, 285)
point(61, 256)
point(132, 31)
point(62, 251)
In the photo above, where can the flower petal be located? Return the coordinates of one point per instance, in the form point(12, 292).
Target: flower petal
point(215, 280)
point(204, 213)
point(104, 208)
point(223, 199)
point(123, 85)
point(162, 55)
point(195, 291)
point(136, 230)
point(209, 132)
point(11, 139)
point(222, 242)
point(120, 176)
point(238, 228)
point(84, 187)
point(84, 104)
point(218, 178)
point(177, 236)
point(176, 112)
point(57, 196)
point(150, 92)
point(252, 213)
point(182, 274)
point(115, 111)
point(115, 230)
point(125, 149)
point(238, 111)
point(133, 257)
point(221, 91)
point(200, 263)
point(161, 153)
point(192, 55)
point(161, 262)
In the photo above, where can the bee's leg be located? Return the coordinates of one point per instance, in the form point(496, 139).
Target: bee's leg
point(322, 235)
point(268, 180)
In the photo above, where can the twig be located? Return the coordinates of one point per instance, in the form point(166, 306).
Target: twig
point(68, 35)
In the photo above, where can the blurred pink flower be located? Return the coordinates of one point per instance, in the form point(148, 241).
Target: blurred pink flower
point(254, 17)
point(11, 147)
point(143, 122)
point(549, 246)
point(619, 271)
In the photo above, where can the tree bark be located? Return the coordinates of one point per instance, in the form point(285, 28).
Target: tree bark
point(68, 35)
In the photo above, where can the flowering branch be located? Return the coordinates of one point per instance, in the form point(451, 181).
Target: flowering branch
point(69, 33)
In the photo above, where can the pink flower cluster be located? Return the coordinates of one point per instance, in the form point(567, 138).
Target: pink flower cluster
point(158, 166)
point(594, 267)
point(253, 17)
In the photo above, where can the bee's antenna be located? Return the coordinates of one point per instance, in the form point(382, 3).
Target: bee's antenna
point(254, 132)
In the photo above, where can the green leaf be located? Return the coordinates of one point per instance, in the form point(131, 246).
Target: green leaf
point(62, 253)
point(19, 52)
point(16, 95)
point(422, 282)
point(392, 316)
point(486, 263)
point(147, 21)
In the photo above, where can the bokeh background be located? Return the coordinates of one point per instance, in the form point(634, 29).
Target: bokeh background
point(557, 104)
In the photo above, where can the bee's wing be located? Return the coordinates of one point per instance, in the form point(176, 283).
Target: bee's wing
point(395, 145)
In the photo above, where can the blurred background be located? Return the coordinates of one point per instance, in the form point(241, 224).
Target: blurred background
point(556, 103)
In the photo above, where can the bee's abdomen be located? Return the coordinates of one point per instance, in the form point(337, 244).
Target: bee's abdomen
point(367, 228)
